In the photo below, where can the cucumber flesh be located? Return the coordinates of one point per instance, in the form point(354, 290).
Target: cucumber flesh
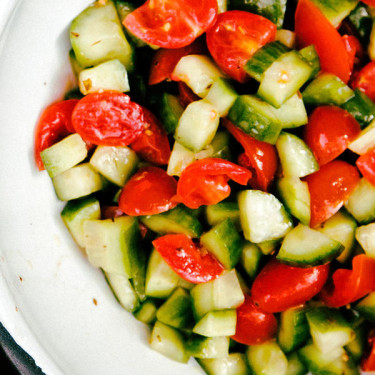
point(170, 112)
point(208, 347)
point(250, 258)
point(217, 213)
point(311, 56)
point(217, 323)
point(365, 140)
point(146, 313)
point(233, 364)
point(365, 235)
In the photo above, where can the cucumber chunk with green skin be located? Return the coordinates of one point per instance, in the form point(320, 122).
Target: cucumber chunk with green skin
point(208, 347)
point(224, 242)
point(180, 158)
point(177, 220)
point(76, 212)
point(217, 323)
point(284, 78)
point(146, 313)
point(361, 107)
point(366, 307)
point(169, 342)
point(170, 111)
point(296, 157)
point(218, 148)
point(306, 247)
point(311, 56)
point(267, 359)
point(365, 140)
point(361, 20)
point(357, 346)
point(250, 258)
point(295, 365)
point(365, 235)
point(256, 209)
point(113, 244)
point(286, 37)
point(268, 247)
point(64, 155)
point(74, 63)
point(217, 213)
point(96, 36)
point(255, 117)
point(233, 364)
point(327, 89)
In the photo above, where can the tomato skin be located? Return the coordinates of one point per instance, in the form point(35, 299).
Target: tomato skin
point(152, 145)
point(185, 94)
point(148, 192)
point(329, 188)
point(235, 37)
point(171, 23)
point(260, 157)
point(368, 362)
point(365, 80)
point(205, 181)
point(187, 259)
point(366, 165)
point(329, 131)
point(279, 287)
point(350, 285)
point(54, 124)
point(253, 325)
point(312, 27)
point(369, 2)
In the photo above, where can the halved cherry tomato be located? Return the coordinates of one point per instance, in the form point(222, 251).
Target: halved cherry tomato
point(54, 124)
point(152, 145)
point(368, 362)
point(366, 165)
point(312, 27)
point(110, 212)
point(187, 259)
point(260, 157)
point(279, 287)
point(235, 37)
point(329, 188)
point(365, 80)
point(369, 2)
point(148, 192)
point(253, 325)
point(108, 118)
point(350, 285)
point(205, 181)
point(354, 49)
point(165, 60)
point(329, 131)
point(185, 94)
point(171, 23)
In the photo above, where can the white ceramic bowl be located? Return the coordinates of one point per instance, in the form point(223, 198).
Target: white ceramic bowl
point(47, 287)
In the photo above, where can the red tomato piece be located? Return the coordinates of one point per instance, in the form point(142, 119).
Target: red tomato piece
point(369, 2)
point(186, 95)
point(54, 124)
point(350, 285)
point(368, 362)
point(365, 80)
point(205, 181)
point(108, 119)
point(165, 60)
point(279, 287)
point(253, 325)
point(366, 165)
point(312, 27)
point(235, 37)
point(329, 131)
point(329, 188)
point(171, 23)
point(110, 212)
point(152, 145)
point(260, 157)
point(187, 259)
point(148, 192)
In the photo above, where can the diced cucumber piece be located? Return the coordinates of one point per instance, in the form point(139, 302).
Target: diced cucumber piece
point(327, 89)
point(96, 36)
point(365, 140)
point(295, 365)
point(296, 157)
point(255, 117)
point(329, 329)
point(264, 58)
point(286, 37)
point(222, 6)
point(250, 258)
point(76, 212)
point(311, 56)
point(295, 195)
point(177, 220)
point(366, 307)
point(170, 112)
point(180, 158)
point(64, 155)
point(361, 203)
point(357, 346)
point(161, 280)
point(208, 347)
point(113, 244)
point(199, 72)
point(361, 107)
point(361, 21)
point(123, 291)
point(222, 293)
point(284, 78)
point(114, 163)
point(110, 75)
point(306, 247)
point(77, 182)
point(197, 125)
point(365, 235)
point(224, 242)
point(146, 312)
point(233, 364)
point(221, 95)
point(341, 227)
point(74, 63)
point(169, 342)
point(268, 247)
point(256, 209)
point(293, 329)
point(217, 323)
point(218, 148)
point(217, 213)
point(267, 359)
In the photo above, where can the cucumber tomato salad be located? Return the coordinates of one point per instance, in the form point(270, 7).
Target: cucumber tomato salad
point(217, 161)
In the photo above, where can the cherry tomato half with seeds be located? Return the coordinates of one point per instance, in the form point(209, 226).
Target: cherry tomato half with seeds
point(365, 80)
